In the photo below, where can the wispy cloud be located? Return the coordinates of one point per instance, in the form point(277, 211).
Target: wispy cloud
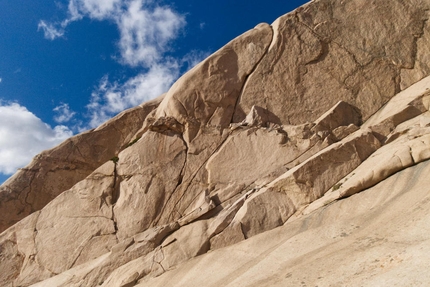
point(113, 97)
point(63, 113)
point(22, 135)
point(193, 58)
point(50, 30)
point(146, 31)
point(145, 28)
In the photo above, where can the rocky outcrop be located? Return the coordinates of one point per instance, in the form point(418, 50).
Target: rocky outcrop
point(56, 170)
point(278, 142)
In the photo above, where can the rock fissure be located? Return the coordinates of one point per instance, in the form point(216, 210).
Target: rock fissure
point(115, 185)
point(193, 184)
point(249, 75)
point(189, 180)
point(28, 193)
point(178, 184)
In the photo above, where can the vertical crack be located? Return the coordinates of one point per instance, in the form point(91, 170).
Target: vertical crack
point(245, 82)
point(114, 194)
point(179, 183)
point(192, 177)
point(115, 184)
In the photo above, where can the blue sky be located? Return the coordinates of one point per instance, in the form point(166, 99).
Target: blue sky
point(68, 65)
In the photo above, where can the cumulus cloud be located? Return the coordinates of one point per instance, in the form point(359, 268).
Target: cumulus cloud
point(23, 135)
point(145, 33)
point(146, 30)
point(63, 113)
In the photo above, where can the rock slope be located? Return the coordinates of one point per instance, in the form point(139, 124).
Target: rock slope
point(296, 154)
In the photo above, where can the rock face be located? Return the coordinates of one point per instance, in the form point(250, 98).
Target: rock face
point(296, 148)
point(56, 170)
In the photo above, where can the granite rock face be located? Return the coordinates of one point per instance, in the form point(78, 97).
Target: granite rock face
point(298, 146)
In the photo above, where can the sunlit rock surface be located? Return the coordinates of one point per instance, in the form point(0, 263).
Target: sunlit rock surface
point(295, 155)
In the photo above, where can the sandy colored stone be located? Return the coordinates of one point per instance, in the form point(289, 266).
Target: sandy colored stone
point(343, 131)
point(230, 235)
point(58, 169)
point(273, 205)
point(376, 238)
point(325, 52)
point(148, 173)
point(253, 169)
point(341, 114)
point(273, 148)
point(202, 205)
point(207, 94)
point(75, 227)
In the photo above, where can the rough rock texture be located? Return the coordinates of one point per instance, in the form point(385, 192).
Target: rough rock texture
point(56, 170)
point(295, 155)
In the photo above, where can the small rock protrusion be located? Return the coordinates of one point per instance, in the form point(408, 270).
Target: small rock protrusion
point(166, 124)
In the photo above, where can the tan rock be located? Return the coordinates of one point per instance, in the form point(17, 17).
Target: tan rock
point(375, 238)
point(273, 149)
point(273, 205)
point(326, 52)
point(232, 234)
point(202, 205)
point(148, 173)
point(77, 226)
point(261, 141)
point(56, 170)
point(207, 95)
point(203, 101)
point(341, 114)
point(343, 131)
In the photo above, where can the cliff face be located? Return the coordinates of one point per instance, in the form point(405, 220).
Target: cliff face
point(309, 138)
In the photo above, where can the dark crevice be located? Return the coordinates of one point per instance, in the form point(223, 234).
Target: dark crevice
point(245, 82)
point(116, 184)
point(242, 230)
point(28, 193)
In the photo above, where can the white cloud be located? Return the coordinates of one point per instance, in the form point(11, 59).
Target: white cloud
point(145, 28)
point(64, 114)
point(96, 9)
point(193, 58)
point(1, 80)
point(23, 135)
point(146, 31)
point(50, 31)
point(111, 98)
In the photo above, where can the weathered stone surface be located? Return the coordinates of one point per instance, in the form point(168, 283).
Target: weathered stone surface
point(273, 205)
point(256, 162)
point(58, 169)
point(325, 52)
point(147, 175)
point(203, 101)
point(376, 238)
point(342, 114)
point(343, 131)
point(207, 95)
